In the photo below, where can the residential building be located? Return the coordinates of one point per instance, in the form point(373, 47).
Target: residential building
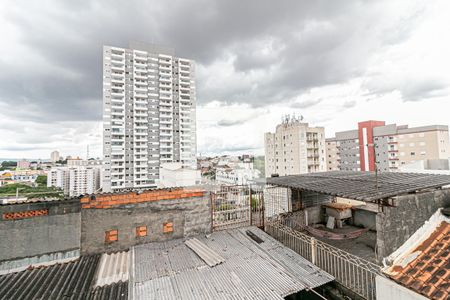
point(387, 146)
point(54, 156)
point(175, 175)
point(294, 148)
point(75, 180)
point(241, 173)
point(332, 154)
point(26, 175)
point(149, 105)
point(23, 164)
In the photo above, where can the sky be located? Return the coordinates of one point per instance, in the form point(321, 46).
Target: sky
point(333, 62)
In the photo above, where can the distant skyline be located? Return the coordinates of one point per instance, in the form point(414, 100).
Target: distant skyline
point(335, 63)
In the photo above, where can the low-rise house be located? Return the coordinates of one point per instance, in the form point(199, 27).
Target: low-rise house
point(176, 175)
point(240, 173)
point(419, 269)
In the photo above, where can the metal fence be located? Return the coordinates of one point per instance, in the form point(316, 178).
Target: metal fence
point(349, 270)
point(237, 206)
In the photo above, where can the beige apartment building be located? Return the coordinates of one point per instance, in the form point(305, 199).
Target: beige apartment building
point(332, 155)
point(294, 148)
point(388, 147)
point(410, 145)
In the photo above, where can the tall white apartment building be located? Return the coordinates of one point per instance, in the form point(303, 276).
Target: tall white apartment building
point(75, 180)
point(149, 114)
point(294, 148)
point(54, 156)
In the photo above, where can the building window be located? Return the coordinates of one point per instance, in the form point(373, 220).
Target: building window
point(141, 231)
point(413, 153)
point(111, 236)
point(168, 227)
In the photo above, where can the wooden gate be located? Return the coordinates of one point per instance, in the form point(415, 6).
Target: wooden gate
point(237, 206)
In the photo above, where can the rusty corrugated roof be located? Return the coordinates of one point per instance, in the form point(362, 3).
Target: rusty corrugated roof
point(428, 271)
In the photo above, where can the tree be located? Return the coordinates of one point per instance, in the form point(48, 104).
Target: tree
point(8, 165)
point(41, 180)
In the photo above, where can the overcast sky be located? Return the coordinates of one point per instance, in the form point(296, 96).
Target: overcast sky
point(334, 62)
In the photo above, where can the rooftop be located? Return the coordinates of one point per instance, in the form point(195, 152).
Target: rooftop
point(73, 280)
point(361, 185)
point(422, 264)
point(227, 264)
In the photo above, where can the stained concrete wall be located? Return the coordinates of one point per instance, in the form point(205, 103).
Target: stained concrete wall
point(190, 217)
point(365, 218)
point(396, 224)
point(59, 231)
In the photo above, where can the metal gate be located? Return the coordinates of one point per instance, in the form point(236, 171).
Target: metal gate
point(237, 206)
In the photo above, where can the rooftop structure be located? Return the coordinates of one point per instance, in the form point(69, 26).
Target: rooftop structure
point(72, 280)
point(422, 263)
point(364, 186)
point(252, 265)
point(251, 269)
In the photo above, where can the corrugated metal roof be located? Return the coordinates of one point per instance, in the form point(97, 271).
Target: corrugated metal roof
point(73, 280)
point(210, 257)
point(112, 268)
point(171, 270)
point(361, 185)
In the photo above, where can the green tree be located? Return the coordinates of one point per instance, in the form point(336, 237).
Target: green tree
point(41, 180)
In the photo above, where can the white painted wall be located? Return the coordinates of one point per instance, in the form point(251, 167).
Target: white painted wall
point(389, 290)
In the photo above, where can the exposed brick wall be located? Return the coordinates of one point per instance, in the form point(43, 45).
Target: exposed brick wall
point(25, 214)
point(111, 200)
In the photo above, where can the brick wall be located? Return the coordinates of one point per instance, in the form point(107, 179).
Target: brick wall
point(396, 224)
point(111, 200)
point(165, 214)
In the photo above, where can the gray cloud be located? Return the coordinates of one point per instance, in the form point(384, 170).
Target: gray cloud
point(273, 52)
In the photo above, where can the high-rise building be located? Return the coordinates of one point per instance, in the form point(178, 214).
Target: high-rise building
point(54, 156)
point(75, 180)
point(294, 148)
point(387, 147)
point(149, 114)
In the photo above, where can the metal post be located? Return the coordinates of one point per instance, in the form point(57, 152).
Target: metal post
point(250, 195)
point(313, 250)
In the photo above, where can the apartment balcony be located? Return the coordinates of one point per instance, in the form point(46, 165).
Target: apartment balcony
point(184, 72)
point(165, 79)
point(141, 159)
point(119, 80)
point(118, 68)
point(185, 78)
point(117, 55)
point(144, 133)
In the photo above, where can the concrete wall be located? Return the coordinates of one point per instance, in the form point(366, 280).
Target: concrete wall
point(390, 290)
point(396, 224)
point(24, 237)
point(365, 218)
point(190, 217)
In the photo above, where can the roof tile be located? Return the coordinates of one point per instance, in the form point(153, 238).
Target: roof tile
point(429, 273)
